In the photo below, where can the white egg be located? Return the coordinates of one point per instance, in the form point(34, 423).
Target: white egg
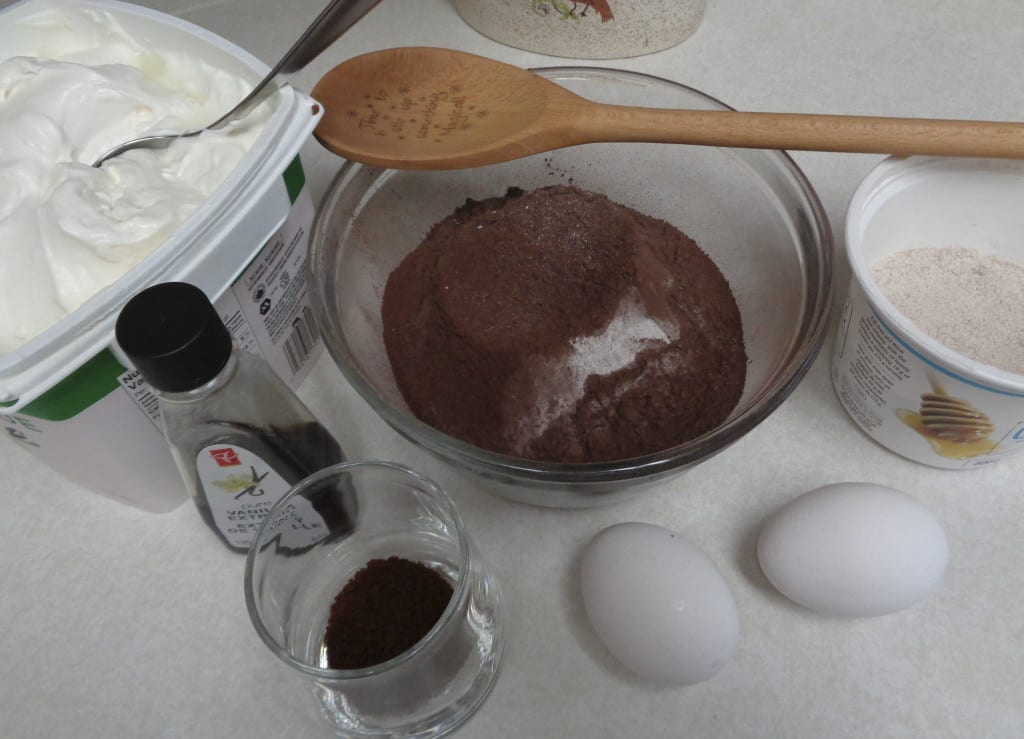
point(853, 549)
point(658, 603)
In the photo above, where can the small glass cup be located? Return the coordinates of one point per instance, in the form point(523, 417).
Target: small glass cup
point(311, 544)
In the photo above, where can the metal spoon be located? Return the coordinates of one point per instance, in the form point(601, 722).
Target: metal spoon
point(428, 108)
point(333, 21)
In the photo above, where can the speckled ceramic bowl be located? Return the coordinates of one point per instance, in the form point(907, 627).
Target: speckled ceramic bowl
point(608, 29)
point(753, 212)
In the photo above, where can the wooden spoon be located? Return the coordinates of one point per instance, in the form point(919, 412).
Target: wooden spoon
point(428, 108)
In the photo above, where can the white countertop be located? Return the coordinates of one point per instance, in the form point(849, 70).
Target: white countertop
point(115, 622)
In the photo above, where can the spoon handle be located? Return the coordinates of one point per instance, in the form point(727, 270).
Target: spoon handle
point(333, 21)
point(801, 131)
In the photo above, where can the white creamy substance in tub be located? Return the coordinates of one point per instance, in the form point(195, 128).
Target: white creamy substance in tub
point(67, 230)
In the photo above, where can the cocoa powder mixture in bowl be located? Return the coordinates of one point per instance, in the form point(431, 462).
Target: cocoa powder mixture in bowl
point(559, 326)
point(752, 213)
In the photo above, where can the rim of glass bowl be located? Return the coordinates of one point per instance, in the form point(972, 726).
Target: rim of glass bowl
point(797, 361)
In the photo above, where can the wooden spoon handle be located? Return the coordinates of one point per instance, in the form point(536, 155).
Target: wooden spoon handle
point(801, 131)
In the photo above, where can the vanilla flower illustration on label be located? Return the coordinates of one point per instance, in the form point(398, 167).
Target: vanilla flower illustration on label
point(241, 488)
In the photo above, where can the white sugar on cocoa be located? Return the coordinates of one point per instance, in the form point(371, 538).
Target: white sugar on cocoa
point(971, 302)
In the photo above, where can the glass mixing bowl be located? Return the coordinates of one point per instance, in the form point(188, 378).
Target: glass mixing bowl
point(753, 212)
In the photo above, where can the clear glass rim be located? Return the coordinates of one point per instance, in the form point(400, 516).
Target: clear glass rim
point(459, 592)
point(790, 370)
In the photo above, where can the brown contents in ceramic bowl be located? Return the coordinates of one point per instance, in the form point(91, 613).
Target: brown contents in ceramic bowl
point(557, 325)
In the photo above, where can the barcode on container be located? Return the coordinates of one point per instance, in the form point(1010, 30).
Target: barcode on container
point(139, 392)
point(150, 405)
point(301, 340)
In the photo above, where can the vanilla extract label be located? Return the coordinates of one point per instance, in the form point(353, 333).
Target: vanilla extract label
point(241, 488)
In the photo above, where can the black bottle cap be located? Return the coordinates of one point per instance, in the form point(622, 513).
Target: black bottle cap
point(174, 336)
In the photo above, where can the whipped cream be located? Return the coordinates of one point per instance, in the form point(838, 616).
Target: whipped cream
point(67, 230)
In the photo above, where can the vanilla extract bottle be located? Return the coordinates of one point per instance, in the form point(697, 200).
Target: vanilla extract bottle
point(239, 436)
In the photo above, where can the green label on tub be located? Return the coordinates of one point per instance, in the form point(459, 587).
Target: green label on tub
point(294, 179)
point(93, 380)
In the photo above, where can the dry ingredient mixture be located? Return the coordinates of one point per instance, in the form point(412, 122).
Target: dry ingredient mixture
point(558, 325)
point(385, 608)
point(971, 302)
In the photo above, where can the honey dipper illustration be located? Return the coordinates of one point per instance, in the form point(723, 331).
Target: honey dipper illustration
point(954, 427)
point(952, 419)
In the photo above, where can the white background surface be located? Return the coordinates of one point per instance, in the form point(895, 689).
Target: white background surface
point(120, 623)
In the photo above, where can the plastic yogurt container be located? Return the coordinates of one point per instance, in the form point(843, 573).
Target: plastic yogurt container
point(905, 389)
point(70, 397)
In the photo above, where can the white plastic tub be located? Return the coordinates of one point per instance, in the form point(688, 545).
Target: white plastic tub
point(884, 367)
point(68, 396)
